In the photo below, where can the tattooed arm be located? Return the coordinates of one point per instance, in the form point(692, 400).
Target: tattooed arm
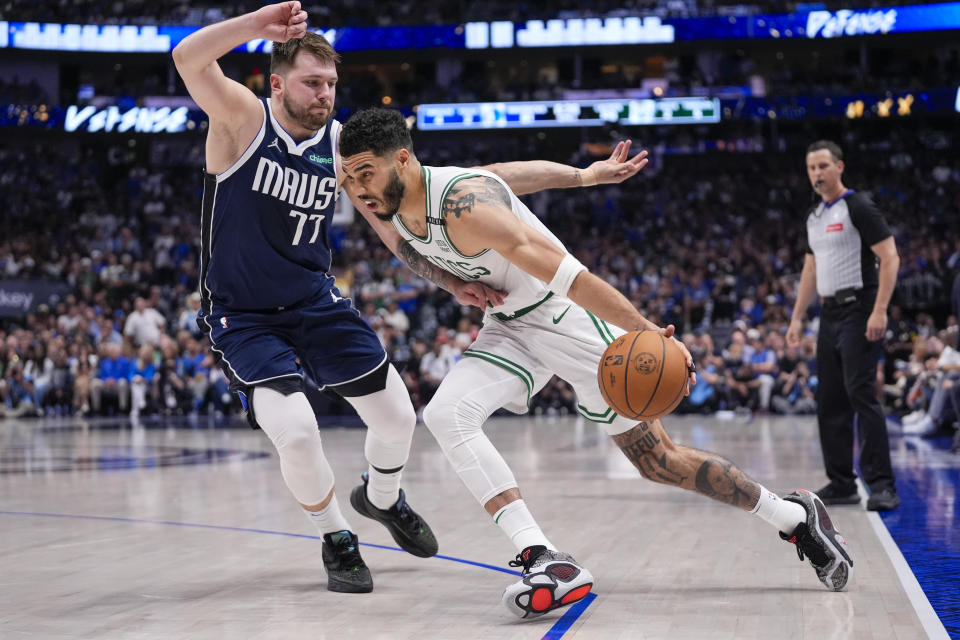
point(420, 266)
point(538, 175)
point(474, 294)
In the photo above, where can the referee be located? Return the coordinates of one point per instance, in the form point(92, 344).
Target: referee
point(852, 262)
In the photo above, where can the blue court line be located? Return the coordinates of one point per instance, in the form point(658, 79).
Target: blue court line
point(566, 621)
point(244, 530)
point(560, 627)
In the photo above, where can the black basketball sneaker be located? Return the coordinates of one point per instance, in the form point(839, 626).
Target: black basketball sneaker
point(551, 580)
point(346, 571)
point(823, 545)
point(407, 528)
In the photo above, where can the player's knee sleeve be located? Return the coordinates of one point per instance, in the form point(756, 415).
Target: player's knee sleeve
point(390, 421)
point(289, 422)
point(455, 417)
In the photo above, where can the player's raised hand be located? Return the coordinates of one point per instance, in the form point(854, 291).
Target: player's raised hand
point(619, 166)
point(282, 21)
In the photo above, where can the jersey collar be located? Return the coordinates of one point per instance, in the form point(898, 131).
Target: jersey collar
point(292, 147)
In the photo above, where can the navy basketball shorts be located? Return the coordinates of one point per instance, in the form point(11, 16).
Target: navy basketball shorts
point(328, 340)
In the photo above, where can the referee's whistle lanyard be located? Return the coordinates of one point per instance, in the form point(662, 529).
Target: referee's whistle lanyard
point(838, 198)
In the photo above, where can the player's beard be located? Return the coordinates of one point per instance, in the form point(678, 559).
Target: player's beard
point(392, 197)
point(304, 117)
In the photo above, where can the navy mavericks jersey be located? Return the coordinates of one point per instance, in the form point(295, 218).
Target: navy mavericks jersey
point(264, 241)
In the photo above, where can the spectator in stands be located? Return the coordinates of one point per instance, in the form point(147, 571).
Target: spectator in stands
point(743, 388)
point(142, 378)
point(107, 332)
point(707, 394)
point(19, 392)
point(795, 390)
point(187, 320)
point(59, 396)
point(112, 380)
point(939, 383)
point(396, 318)
point(144, 325)
point(763, 364)
point(435, 365)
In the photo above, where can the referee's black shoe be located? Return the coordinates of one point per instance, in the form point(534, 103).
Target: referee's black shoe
point(883, 500)
point(406, 527)
point(832, 494)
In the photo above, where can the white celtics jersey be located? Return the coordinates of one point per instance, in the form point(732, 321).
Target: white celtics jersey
point(488, 266)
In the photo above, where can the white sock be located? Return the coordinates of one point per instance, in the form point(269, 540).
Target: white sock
point(383, 489)
point(520, 527)
point(329, 519)
point(782, 514)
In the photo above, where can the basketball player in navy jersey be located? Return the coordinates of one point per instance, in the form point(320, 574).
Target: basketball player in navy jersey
point(269, 304)
point(553, 321)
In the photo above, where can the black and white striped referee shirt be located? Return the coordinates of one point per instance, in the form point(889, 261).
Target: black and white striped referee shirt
point(839, 235)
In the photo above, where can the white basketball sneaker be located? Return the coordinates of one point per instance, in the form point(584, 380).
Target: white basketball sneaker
point(551, 580)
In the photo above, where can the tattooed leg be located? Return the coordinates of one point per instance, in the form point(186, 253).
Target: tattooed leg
point(657, 458)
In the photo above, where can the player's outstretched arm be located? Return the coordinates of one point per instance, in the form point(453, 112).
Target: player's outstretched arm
point(537, 175)
point(226, 101)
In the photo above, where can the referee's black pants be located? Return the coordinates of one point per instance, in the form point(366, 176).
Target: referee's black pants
point(847, 370)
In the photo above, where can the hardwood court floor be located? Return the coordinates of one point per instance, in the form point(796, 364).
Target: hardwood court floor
point(179, 532)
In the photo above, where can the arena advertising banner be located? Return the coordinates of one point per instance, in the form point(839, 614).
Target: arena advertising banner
point(20, 297)
point(532, 33)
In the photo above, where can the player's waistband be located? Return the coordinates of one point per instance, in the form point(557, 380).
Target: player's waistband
point(219, 308)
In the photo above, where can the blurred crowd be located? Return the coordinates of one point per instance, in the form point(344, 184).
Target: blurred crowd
point(368, 13)
point(716, 254)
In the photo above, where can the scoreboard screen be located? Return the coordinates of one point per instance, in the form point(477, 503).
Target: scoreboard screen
point(567, 113)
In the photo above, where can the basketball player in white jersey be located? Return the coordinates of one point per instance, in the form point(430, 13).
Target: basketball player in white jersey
point(557, 318)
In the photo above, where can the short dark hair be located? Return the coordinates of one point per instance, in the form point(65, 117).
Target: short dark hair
point(381, 131)
point(830, 146)
point(284, 53)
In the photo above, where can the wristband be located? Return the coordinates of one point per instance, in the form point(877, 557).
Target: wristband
point(566, 273)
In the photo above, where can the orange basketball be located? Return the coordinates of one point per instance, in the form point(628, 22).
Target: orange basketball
point(643, 375)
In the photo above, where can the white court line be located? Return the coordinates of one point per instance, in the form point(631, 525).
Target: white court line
point(928, 617)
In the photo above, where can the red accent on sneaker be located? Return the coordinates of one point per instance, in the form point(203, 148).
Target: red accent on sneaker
point(526, 555)
point(577, 594)
point(541, 599)
point(793, 540)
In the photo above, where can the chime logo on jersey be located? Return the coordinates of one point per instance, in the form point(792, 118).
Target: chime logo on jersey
point(298, 188)
point(223, 322)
